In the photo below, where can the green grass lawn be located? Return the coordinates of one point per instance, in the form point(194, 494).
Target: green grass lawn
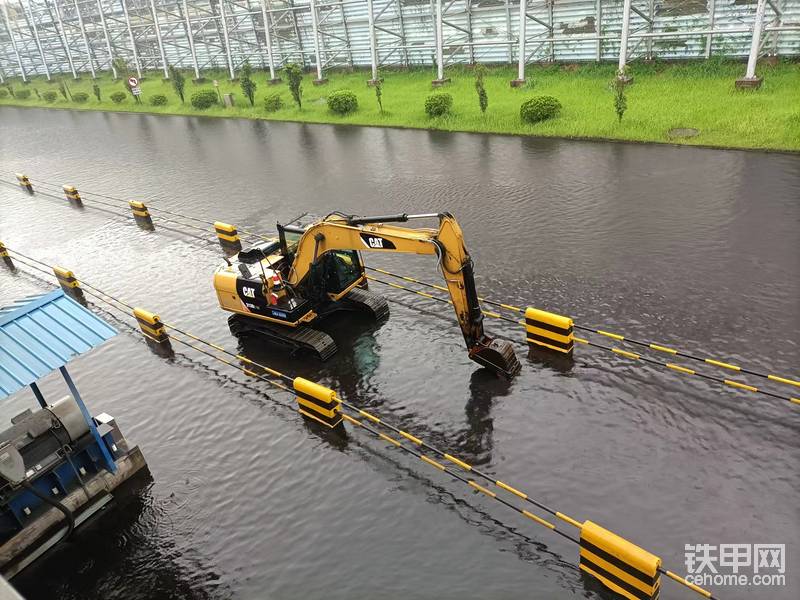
point(698, 95)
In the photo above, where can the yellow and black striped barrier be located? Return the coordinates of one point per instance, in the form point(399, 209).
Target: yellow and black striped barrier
point(6, 258)
point(549, 330)
point(141, 215)
point(71, 193)
point(24, 182)
point(228, 237)
point(151, 325)
point(318, 403)
point(69, 283)
point(620, 565)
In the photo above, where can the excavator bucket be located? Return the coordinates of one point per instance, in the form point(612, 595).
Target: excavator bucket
point(497, 355)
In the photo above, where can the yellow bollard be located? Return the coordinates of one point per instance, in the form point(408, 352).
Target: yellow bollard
point(24, 182)
point(549, 330)
point(228, 237)
point(620, 565)
point(71, 194)
point(141, 215)
point(70, 284)
point(6, 258)
point(318, 403)
point(154, 332)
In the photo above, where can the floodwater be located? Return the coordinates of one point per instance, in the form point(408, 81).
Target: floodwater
point(692, 248)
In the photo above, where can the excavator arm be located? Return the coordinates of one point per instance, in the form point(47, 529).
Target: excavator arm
point(373, 234)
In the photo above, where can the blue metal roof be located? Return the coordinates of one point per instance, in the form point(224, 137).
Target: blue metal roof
point(42, 333)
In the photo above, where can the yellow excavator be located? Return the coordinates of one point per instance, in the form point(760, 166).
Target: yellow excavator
point(282, 288)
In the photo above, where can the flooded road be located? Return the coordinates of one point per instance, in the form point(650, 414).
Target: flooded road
point(692, 248)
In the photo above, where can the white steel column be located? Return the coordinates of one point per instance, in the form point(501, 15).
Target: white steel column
point(64, 39)
point(107, 38)
point(373, 50)
point(132, 39)
point(439, 42)
point(35, 30)
point(598, 27)
point(224, 20)
point(508, 31)
point(268, 37)
point(190, 36)
point(623, 43)
point(85, 39)
point(523, 18)
point(158, 39)
point(712, 9)
point(315, 32)
point(14, 43)
point(755, 45)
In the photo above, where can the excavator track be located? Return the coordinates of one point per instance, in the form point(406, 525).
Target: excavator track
point(370, 302)
point(301, 337)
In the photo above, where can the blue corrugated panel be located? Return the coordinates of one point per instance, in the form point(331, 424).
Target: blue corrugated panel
point(43, 333)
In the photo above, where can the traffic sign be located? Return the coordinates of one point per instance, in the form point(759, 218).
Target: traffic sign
point(135, 90)
point(133, 82)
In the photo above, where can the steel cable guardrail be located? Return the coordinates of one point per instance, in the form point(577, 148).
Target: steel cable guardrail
point(588, 551)
point(619, 338)
point(618, 351)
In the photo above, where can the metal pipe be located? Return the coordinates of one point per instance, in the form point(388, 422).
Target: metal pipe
point(14, 43)
point(35, 31)
point(85, 40)
point(107, 38)
point(315, 33)
point(136, 62)
point(64, 40)
point(224, 21)
point(523, 18)
point(373, 49)
point(158, 38)
point(623, 43)
point(712, 9)
point(190, 37)
point(439, 42)
point(268, 36)
point(598, 27)
point(755, 45)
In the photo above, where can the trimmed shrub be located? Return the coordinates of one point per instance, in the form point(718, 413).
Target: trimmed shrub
point(3, 93)
point(273, 102)
point(158, 100)
point(539, 108)
point(50, 96)
point(204, 99)
point(118, 97)
point(96, 91)
point(342, 102)
point(80, 97)
point(22, 94)
point(437, 105)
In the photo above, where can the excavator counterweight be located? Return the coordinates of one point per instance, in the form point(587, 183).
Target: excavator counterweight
point(282, 288)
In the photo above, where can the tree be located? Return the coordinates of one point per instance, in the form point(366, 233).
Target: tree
point(178, 81)
point(120, 66)
point(483, 98)
point(620, 101)
point(379, 93)
point(247, 83)
point(294, 77)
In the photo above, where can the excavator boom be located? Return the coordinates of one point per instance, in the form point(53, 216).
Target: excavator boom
point(446, 242)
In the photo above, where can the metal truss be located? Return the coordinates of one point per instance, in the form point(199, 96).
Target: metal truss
point(74, 37)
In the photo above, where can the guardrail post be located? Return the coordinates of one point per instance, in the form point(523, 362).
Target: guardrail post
point(141, 215)
point(228, 237)
point(24, 182)
point(549, 331)
point(71, 193)
point(318, 403)
point(70, 284)
point(6, 258)
point(154, 332)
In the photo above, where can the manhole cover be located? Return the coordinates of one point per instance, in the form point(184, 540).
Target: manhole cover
point(683, 132)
